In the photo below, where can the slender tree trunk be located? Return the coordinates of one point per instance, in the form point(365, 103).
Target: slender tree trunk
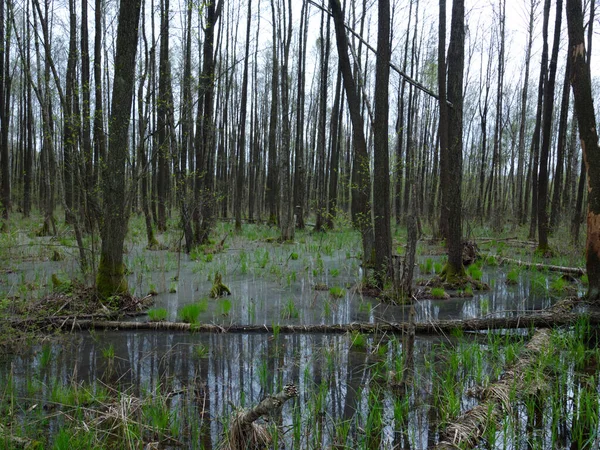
point(5, 90)
point(543, 225)
point(361, 181)
point(86, 137)
point(522, 125)
point(29, 147)
point(69, 129)
point(299, 164)
point(322, 127)
point(241, 153)
point(535, 141)
point(164, 150)
point(495, 206)
point(335, 139)
point(286, 222)
point(99, 137)
point(400, 126)
point(561, 145)
point(381, 188)
point(272, 182)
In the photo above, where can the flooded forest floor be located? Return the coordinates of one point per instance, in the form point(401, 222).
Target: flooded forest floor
point(71, 386)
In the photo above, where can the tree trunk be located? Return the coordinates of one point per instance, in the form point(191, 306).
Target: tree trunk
point(543, 224)
point(535, 141)
point(557, 190)
point(86, 138)
point(272, 181)
point(111, 271)
point(164, 150)
point(453, 203)
point(381, 187)
point(361, 191)
point(5, 89)
point(99, 137)
point(286, 219)
point(241, 152)
point(322, 127)
point(334, 160)
point(584, 109)
point(520, 193)
point(400, 131)
point(205, 133)
point(299, 164)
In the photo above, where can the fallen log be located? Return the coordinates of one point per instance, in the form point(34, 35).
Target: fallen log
point(467, 430)
point(542, 319)
point(579, 271)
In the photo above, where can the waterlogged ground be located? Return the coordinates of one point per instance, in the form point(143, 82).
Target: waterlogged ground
point(118, 389)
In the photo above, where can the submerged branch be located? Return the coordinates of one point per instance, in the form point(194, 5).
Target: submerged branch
point(568, 270)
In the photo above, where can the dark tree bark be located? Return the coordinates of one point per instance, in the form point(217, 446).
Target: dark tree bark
point(163, 106)
point(111, 277)
point(584, 109)
point(70, 137)
point(322, 127)
point(334, 160)
point(286, 204)
point(535, 141)
point(5, 90)
point(381, 187)
point(361, 184)
point(483, 116)
point(299, 165)
point(255, 133)
point(543, 225)
point(143, 107)
point(205, 131)
point(578, 214)
point(29, 147)
point(557, 188)
point(272, 182)
point(453, 162)
point(241, 152)
point(99, 136)
point(520, 163)
point(400, 131)
point(86, 137)
point(494, 205)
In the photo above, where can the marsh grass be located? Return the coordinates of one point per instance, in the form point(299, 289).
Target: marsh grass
point(438, 293)
point(290, 310)
point(191, 313)
point(157, 314)
point(337, 292)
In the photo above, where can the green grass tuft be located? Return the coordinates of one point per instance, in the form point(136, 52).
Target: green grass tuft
point(157, 314)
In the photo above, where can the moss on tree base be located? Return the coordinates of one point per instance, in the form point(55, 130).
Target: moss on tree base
point(111, 279)
point(451, 275)
point(458, 283)
point(219, 289)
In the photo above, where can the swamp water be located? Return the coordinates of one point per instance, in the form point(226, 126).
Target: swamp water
point(119, 389)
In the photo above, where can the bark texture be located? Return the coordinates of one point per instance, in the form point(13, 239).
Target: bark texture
point(110, 278)
point(584, 109)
